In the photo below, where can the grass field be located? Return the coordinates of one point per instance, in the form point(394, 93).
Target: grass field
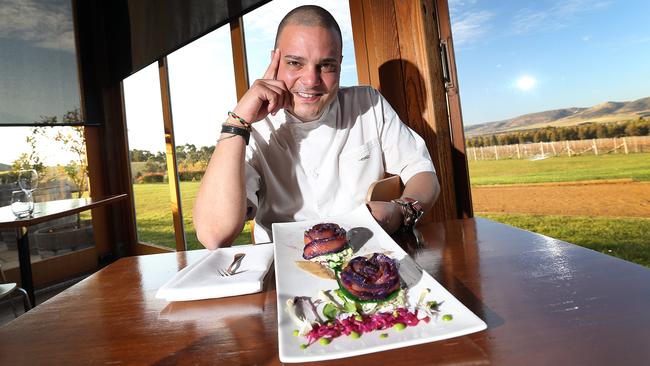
point(154, 216)
point(621, 237)
point(561, 169)
point(625, 238)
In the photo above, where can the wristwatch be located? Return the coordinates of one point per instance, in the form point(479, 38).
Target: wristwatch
point(412, 211)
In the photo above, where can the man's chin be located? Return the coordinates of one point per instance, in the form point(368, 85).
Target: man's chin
point(306, 115)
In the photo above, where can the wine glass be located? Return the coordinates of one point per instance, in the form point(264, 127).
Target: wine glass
point(28, 180)
point(22, 204)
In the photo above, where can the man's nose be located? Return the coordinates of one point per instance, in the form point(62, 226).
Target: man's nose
point(310, 76)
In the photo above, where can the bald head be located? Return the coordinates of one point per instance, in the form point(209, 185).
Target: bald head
point(310, 16)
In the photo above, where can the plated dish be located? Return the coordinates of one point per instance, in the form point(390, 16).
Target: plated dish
point(369, 297)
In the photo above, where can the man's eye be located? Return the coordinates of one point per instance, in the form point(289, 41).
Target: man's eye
point(293, 63)
point(328, 67)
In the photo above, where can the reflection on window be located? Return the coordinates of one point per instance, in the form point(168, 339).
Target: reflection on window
point(148, 159)
point(38, 68)
point(52, 163)
point(261, 24)
point(202, 84)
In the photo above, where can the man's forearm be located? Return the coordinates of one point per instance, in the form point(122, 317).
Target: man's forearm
point(423, 187)
point(220, 206)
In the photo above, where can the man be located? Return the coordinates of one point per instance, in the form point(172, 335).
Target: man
point(314, 148)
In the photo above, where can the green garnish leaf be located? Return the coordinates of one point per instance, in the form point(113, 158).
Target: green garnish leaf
point(330, 311)
point(350, 307)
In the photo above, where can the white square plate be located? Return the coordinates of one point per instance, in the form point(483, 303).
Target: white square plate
point(367, 237)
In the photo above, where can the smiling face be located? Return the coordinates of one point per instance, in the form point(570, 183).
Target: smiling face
point(310, 67)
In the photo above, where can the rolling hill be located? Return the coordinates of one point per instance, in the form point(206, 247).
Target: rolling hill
point(4, 167)
point(600, 113)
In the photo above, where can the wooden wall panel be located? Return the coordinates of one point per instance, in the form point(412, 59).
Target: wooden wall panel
point(403, 58)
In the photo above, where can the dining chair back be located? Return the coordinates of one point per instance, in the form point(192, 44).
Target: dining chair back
point(8, 289)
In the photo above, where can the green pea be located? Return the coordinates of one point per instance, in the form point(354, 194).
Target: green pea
point(399, 326)
point(355, 335)
point(324, 341)
point(447, 317)
point(383, 335)
point(296, 332)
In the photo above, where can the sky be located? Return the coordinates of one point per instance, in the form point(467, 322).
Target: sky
point(513, 57)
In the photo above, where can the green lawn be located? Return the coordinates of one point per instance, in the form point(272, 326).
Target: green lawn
point(154, 217)
point(625, 238)
point(621, 237)
point(561, 169)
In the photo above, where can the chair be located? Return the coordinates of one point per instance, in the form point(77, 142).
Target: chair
point(385, 189)
point(8, 289)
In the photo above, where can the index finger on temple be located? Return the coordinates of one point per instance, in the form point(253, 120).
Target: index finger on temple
point(272, 70)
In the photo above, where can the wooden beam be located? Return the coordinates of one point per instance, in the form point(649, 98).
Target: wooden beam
point(238, 44)
point(459, 154)
point(172, 166)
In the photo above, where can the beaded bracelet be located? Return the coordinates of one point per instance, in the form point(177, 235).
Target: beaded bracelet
point(240, 120)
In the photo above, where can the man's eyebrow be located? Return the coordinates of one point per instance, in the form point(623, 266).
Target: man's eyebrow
point(302, 59)
point(292, 57)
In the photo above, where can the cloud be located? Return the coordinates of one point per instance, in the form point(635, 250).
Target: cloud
point(468, 27)
point(558, 16)
point(42, 23)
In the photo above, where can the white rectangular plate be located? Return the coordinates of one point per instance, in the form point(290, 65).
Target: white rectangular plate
point(367, 237)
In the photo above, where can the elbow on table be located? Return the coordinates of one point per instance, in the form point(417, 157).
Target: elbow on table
point(217, 237)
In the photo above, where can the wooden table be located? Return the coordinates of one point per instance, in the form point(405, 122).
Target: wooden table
point(44, 211)
point(546, 302)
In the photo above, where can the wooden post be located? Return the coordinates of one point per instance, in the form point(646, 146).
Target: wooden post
point(518, 152)
point(615, 146)
point(568, 148)
point(496, 152)
point(593, 141)
point(541, 147)
point(474, 150)
point(553, 147)
point(482, 156)
point(625, 145)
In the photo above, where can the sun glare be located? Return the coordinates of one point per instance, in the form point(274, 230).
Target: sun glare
point(526, 83)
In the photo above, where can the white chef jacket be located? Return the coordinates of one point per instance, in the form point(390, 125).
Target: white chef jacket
point(309, 170)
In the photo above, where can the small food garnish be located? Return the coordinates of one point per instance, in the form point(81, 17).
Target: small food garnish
point(399, 326)
point(317, 269)
point(324, 341)
point(447, 317)
point(383, 335)
point(355, 335)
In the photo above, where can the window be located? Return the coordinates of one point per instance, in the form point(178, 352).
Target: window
point(148, 158)
point(551, 94)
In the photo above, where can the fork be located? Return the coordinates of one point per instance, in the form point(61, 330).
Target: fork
point(232, 269)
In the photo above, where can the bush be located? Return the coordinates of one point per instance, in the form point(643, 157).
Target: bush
point(151, 178)
point(190, 175)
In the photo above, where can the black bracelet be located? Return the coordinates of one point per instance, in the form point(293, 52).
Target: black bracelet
point(237, 131)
